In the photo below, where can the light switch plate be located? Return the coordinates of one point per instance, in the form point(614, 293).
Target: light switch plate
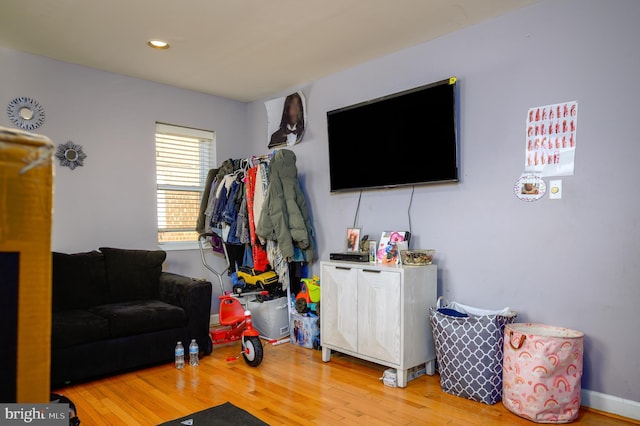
point(555, 189)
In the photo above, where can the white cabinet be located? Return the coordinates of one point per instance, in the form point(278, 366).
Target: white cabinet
point(338, 312)
point(379, 313)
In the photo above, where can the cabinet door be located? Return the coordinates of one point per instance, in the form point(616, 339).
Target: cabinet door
point(379, 294)
point(338, 304)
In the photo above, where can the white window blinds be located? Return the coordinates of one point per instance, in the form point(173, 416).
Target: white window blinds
point(183, 159)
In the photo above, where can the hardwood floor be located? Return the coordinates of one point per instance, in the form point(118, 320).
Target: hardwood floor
point(291, 387)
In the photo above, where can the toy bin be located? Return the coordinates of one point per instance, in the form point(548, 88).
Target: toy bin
point(469, 349)
point(542, 372)
point(26, 179)
point(271, 318)
point(305, 330)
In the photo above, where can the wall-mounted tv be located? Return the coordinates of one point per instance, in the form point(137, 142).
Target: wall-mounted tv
point(408, 138)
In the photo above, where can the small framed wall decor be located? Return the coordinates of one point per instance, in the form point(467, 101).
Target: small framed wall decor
point(353, 239)
point(25, 113)
point(70, 155)
point(530, 187)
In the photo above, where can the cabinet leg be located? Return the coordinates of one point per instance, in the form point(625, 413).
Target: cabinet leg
point(326, 354)
point(431, 367)
point(402, 378)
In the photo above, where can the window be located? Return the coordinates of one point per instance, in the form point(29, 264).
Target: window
point(183, 159)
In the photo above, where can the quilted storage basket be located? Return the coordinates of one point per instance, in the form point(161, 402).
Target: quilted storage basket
point(469, 350)
point(542, 372)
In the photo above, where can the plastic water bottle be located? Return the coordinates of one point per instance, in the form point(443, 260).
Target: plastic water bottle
point(193, 353)
point(179, 355)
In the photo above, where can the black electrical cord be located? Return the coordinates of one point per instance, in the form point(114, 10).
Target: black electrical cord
point(355, 217)
point(413, 188)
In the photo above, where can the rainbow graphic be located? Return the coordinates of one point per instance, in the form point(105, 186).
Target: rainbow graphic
point(560, 382)
point(540, 369)
point(565, 345)
point(519, 380)
point(538, 344)
point(554, 359)
point(540, 387)
point(524, 354)
point(515, 402)
point(550, 403)
point(572, 368)
point(532, 399)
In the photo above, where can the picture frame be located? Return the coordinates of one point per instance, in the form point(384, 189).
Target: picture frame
point(388, 248)
point(353, 239)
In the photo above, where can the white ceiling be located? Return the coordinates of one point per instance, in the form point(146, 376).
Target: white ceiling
point(240, 49)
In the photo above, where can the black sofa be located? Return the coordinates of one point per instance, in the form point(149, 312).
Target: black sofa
point(115, 310)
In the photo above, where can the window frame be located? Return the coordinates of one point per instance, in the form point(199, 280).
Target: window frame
point(206, 137)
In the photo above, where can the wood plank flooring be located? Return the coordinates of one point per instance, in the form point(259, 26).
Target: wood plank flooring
point(291, 387)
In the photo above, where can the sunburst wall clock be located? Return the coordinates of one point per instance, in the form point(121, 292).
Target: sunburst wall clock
point(25, 113)
point(70, 155)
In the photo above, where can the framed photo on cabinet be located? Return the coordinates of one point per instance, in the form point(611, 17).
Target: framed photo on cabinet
point(353, 239)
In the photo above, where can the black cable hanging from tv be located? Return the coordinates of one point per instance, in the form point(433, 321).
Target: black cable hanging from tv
point(355, 217)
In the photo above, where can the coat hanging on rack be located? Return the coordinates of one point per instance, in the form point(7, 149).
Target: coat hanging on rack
point(284, 217)
point(260, 261)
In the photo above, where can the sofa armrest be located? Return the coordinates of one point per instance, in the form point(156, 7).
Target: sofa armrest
point(195, 298)
point(184, 291)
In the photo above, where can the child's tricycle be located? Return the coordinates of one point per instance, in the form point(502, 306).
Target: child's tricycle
point(237, 325)
point(235, 321)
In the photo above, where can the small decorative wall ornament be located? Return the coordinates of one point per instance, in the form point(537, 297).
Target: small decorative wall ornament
point(25, 113)
point(70, 155)
point(530, 187)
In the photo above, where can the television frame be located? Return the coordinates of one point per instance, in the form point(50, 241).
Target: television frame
point(456, 123)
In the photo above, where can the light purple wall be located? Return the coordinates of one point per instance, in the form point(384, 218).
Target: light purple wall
point(111, 201)
point(572, 262)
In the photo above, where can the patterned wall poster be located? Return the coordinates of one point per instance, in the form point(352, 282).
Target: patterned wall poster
point(286, 120)
point(551, 139)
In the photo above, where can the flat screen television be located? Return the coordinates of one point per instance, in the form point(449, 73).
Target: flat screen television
point(408, 138)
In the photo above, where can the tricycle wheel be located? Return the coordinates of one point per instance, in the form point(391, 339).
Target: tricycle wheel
point(252, 352)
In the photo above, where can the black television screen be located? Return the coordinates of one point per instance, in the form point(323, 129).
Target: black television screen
point(407, 138)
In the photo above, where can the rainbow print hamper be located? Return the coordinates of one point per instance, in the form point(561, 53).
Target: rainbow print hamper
point(542, 372)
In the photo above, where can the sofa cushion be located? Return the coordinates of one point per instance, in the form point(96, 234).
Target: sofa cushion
point(133, 274)
point(143, 316)
point(79, 280)
point(74, 327)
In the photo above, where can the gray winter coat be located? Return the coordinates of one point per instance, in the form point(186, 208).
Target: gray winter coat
point(284, 217)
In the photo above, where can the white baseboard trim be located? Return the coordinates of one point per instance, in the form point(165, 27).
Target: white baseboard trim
point(214, 320)
point(611, 404)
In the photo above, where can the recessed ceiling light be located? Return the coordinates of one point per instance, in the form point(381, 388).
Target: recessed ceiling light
point(158, 44)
